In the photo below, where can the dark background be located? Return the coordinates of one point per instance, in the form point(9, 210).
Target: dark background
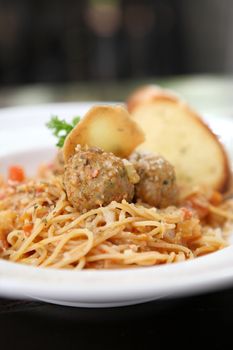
point(54, 41)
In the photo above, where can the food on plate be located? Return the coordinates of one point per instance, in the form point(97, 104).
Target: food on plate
point(16, 173)
point(7, 218)
point(175, 131)
point(157, 185)
point(109, 128)
point(104, 204)
point(95, 178)
point(58, 163)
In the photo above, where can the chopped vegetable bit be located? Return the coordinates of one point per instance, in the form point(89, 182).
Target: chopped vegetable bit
point(16, 173)
point(216, 198)
point(61, 128)
point(28, 228)
point(187, 213)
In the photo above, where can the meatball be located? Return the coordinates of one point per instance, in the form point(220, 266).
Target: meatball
point(95, 178)
point(157, 185)
point(58, 164)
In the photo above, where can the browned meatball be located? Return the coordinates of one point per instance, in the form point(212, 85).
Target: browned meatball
point(95, 178)
point(58, 164)
point(157, 185)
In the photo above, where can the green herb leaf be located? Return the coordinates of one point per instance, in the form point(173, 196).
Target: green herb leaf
point(61, 128)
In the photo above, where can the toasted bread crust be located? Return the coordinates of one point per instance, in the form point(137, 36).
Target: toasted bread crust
point(125, 137)
point(224, 182)
point(150, 93)
point(153, 94)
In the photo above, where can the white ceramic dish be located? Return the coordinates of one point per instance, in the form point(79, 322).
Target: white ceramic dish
point(25, 140)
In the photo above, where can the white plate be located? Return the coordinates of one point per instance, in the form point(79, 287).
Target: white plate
point(25, 140)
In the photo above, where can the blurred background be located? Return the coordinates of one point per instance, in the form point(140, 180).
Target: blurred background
point(106, 42)
point(72, 40)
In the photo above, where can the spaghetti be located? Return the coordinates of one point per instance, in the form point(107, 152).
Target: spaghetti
point(39, 227)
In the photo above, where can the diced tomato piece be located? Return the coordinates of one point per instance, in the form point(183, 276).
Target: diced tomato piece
point(187, 213)
point(39, 190)
point(216, 198)
point(16, 173)
point(199, 204)
point(28, 228)
point(50, 166)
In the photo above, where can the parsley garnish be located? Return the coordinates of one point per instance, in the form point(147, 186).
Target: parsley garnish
point(61, 128)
